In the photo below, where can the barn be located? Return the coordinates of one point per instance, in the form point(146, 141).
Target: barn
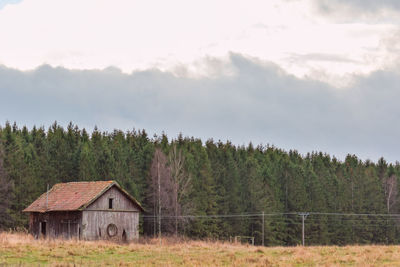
point(99, 210)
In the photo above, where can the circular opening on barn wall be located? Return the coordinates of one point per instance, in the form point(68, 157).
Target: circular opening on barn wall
point(112, 230)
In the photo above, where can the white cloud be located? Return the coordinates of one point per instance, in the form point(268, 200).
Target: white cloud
point(4, 3)
point(131, 35)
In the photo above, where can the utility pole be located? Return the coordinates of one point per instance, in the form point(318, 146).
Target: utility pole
point(47, 197)
point(263, 228)
point(159, 198)
point(155, 216)
point(303, 218)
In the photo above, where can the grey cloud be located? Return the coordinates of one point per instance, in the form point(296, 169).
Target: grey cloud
point(365, 5)
point(366, 11)
point(259, 103)
point(321, 57)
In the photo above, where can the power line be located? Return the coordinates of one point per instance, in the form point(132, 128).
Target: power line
point(391, 216)
point(394, 215)
point(336, 222)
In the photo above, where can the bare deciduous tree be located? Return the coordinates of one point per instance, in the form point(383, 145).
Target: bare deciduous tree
point(390, 186)
point(161, 187)
point(170, 184)
point(180, 180)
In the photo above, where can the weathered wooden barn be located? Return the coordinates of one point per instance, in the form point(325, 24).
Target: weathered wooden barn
point(99, 210)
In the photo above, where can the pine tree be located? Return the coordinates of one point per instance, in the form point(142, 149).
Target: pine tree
point(6, 192)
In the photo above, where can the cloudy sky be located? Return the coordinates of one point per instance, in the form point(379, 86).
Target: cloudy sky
point(311, 75)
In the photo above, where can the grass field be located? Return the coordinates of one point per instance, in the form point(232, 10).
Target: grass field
point(23, 250)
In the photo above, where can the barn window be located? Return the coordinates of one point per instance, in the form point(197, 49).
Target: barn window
point(110, 203)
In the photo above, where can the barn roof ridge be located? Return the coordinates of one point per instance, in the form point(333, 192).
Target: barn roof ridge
point(72, 196)
point(79, 182)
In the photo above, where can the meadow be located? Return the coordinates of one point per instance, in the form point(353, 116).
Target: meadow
point(22, 250)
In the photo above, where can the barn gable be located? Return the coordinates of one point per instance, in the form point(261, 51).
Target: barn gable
point(113, 199)
point(120, 198)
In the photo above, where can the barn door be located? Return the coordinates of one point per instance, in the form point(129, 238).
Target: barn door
point(124, 237)
point(43, 228)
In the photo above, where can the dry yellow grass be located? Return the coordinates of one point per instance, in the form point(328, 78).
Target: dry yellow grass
point(22, 249)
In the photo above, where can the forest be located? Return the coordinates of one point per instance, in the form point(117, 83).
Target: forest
point(208, 190)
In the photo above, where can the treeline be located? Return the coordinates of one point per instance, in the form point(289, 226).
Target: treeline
point(186, 176)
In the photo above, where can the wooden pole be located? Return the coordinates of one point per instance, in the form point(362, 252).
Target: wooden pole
point(263, 224)
point(47, 197)
point(159, 199)
point(69, 229)
point(303, 218)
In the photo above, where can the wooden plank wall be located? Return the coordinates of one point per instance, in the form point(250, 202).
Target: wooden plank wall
point(59, 224)
point(124, 215)
point(95, 223)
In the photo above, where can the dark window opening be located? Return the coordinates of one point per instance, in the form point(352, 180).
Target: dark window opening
point(99, 232)
point(43, 230)
point(110, 203)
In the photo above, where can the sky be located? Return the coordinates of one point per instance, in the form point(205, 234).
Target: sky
point(310, 75)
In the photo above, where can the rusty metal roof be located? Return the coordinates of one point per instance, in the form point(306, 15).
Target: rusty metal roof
point(73, 196)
